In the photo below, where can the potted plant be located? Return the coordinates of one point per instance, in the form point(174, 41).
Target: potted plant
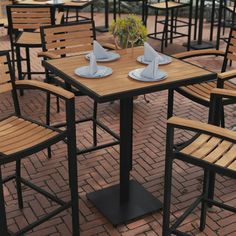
point(128, 31)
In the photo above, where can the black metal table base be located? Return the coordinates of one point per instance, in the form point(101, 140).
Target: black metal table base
point(102, 29)
point(203, 45)
point(140, 203)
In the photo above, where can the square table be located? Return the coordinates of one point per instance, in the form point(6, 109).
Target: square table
point(128, 199)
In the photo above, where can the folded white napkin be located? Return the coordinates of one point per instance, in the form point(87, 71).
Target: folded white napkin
point(93, 68)
point(151, 70)
point(149, 52)
point(99, 51)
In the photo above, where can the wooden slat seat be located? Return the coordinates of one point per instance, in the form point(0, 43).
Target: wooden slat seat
point(213, 150)
point(203, 90)
point(29, 38)
point(162, 5)
point(17, 134)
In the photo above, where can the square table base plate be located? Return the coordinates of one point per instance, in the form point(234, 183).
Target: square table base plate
point(140, 203)
point(204, 45)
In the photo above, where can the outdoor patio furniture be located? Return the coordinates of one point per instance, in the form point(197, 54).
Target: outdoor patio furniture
point(68, 40)
point(23, 23)
point(144, 8)
point(127, 200)
point(212, 149)
point(171, 23)
point(21, 137)
point(3, 16)
point(200, 93)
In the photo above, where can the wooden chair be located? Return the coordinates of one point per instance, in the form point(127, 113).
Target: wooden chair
point(171, 22)
point(21, 137)
point(212, 148)
point(68, 40)
point(24, 21)
point(3, 16)
point(200, 93)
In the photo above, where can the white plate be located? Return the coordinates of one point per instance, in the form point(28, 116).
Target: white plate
point(164, 60)
point(103, 71)
point(136, 74)
point(55, 2)
point(112, 56)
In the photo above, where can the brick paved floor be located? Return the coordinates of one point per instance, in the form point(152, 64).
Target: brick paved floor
point(101, 168)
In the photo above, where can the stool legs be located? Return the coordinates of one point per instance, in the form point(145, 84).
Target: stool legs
point(18, 184)
point(3, 220)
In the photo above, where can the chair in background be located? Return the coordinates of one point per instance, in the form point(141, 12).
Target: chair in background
point(171, 22)
point(23, 25)
point(21, 137)
point(65, 40)
point(3, 15)
point(200, 93)
point(212, 149)
point(144, 8)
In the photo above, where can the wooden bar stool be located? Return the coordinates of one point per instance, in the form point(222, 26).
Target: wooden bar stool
point(212, 148)
point(21, 137)
point(171, 22)
point(24, 22)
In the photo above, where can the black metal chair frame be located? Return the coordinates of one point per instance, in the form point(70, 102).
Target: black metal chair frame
point(16, 47)
point(171, 26)
point(173, 152)
point(68, 134)
point(220, 81)
point(96, 123)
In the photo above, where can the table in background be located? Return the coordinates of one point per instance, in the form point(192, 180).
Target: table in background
point(128, 200)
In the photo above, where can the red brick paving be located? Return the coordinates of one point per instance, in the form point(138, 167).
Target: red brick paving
point(100, 169)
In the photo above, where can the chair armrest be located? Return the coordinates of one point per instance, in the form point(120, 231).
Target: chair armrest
point(224, 92)
point(198, 126)
point(34, 84)
point(227, 75)
point(196, 53)
point(48, 55)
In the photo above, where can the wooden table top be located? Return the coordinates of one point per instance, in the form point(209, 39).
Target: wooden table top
point(119, 84)
point(79, 3)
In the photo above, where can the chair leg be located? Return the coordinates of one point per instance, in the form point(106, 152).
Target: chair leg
point(167, 197)
point(172, 26)
point(204, 204)
point(155, 27)
point(222, 120)
point(170, 103)
point(166, 28)
point(19, 67)
point(95, 106)
point(3, 219)
point(48, 102)
point(18, 184)
point(28, 62)
point(211, 187)
point(58, 104)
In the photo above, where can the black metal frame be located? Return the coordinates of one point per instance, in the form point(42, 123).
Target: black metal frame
point(206, 198)
point(168, 34)
point(69, 134)
point(15, 34)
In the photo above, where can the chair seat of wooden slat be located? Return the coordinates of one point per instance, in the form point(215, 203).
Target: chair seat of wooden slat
point(29, 38)
point(202, 90)
point(162, 5)
point(212, 150)
point(17, 134)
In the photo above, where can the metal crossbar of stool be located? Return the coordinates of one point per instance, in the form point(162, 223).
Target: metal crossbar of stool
point(171, 22)
point(212, 149)
point(56, 41)
point(21, 137)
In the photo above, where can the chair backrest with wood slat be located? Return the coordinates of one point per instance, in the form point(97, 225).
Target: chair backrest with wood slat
point(26, 17)
point(230, 49)
point(68, 39)
point(5, 76)
point(7, 81)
